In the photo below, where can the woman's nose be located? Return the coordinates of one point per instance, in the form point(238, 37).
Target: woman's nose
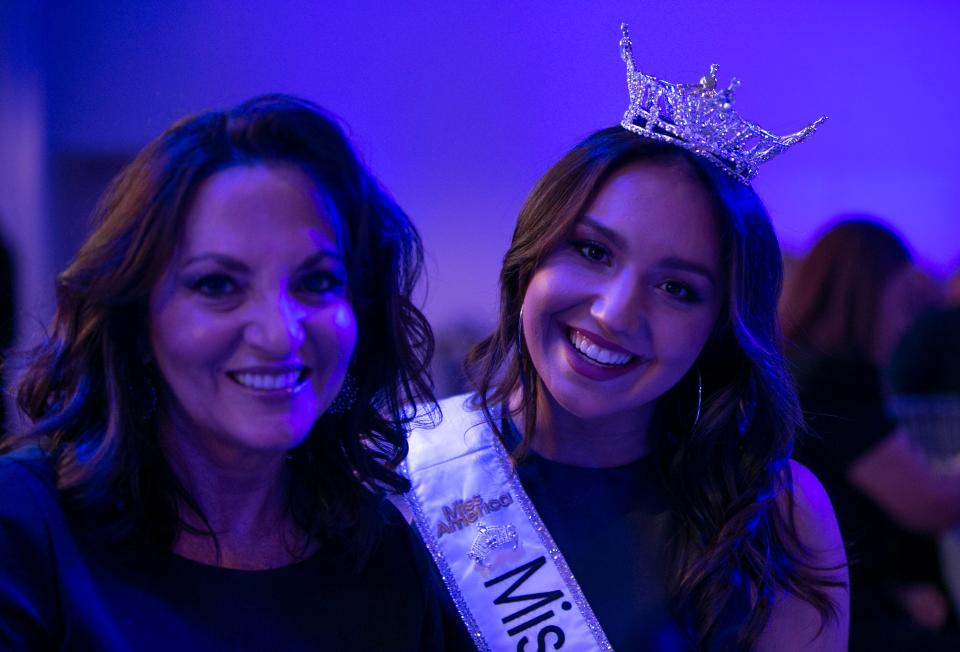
point(275, 326)
point(620, 305)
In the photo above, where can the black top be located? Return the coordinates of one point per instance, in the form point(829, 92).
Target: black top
point(57, 592)
point(843, 401)
point(611, 525)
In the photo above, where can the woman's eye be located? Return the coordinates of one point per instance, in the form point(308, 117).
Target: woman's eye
point(680, 291)
point(592, 251)
point(214, 285)
point(322, 282)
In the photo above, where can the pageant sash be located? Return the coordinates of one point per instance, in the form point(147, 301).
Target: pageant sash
point(510, 583)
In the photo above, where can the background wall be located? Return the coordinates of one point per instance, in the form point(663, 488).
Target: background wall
point(459, 107)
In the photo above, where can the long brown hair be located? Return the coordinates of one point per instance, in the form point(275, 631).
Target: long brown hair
point(832, 301)
point(89, 392)
point(723, 476)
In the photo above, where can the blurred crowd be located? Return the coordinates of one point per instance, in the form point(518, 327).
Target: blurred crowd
point(876, 367)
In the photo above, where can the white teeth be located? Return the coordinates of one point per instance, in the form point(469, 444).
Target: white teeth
point(597, 354)
point(267, 381)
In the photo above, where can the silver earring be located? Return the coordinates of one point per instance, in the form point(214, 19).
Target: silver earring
point(520, 334)
point(696, 418)
point(346, 397)
point(524, 382)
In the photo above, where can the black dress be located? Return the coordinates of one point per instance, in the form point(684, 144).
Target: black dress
point(56, 592)
point(611, 525)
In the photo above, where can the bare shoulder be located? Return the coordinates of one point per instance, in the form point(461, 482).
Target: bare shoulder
point(809, 505)
point(796, 624)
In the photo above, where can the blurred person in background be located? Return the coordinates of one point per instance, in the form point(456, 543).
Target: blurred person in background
point(927, 359)
point(952, 294)
point(216, 414)
point(848, 304)
point(925, 377)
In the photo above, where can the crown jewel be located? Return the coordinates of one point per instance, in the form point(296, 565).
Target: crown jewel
point(491, 538)
point(700, 118)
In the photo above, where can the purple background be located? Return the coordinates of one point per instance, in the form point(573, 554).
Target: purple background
point(460, 107)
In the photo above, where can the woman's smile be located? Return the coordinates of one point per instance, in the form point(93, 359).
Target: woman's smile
point(597, 350)
point(285, 380)
point(598, 362)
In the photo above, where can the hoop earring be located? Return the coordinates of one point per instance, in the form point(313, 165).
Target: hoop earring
point(519, 342)
point(346, 397)
point(524, 381)
point(696, 418)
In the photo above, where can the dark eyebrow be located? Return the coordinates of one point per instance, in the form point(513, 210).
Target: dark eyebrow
point(671, 262)
point(682, 264)
point(320, 256)
point(220, 259)
point(238, 266)
point(615, 238)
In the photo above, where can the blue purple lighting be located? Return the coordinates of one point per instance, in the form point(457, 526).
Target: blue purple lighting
point(459, 110)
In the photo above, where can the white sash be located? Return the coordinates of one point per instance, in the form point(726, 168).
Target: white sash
point(511, 584)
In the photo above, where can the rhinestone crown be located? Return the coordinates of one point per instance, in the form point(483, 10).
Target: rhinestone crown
point(491, 538)
point(700, 118)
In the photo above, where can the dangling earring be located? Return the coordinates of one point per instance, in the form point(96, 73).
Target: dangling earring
point(696, 418)
point(346, 397)
point(519, 346)
point(519, 342)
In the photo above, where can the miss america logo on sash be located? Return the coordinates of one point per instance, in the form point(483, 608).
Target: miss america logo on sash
point(509, 580)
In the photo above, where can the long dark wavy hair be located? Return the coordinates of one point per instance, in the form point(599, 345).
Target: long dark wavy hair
point(833, 300)
point(725, 475)
point(87, 389)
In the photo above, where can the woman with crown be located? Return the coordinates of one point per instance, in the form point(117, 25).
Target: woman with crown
point(217, 412)
point(621, 476)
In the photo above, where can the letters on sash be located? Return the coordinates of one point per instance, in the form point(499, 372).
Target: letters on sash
point(510, 583)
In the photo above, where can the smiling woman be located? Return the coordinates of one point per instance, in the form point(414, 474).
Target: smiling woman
point(641, 267)
point(217, 413)
point(620, 478)
point(251, 326)
point(634, 404)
